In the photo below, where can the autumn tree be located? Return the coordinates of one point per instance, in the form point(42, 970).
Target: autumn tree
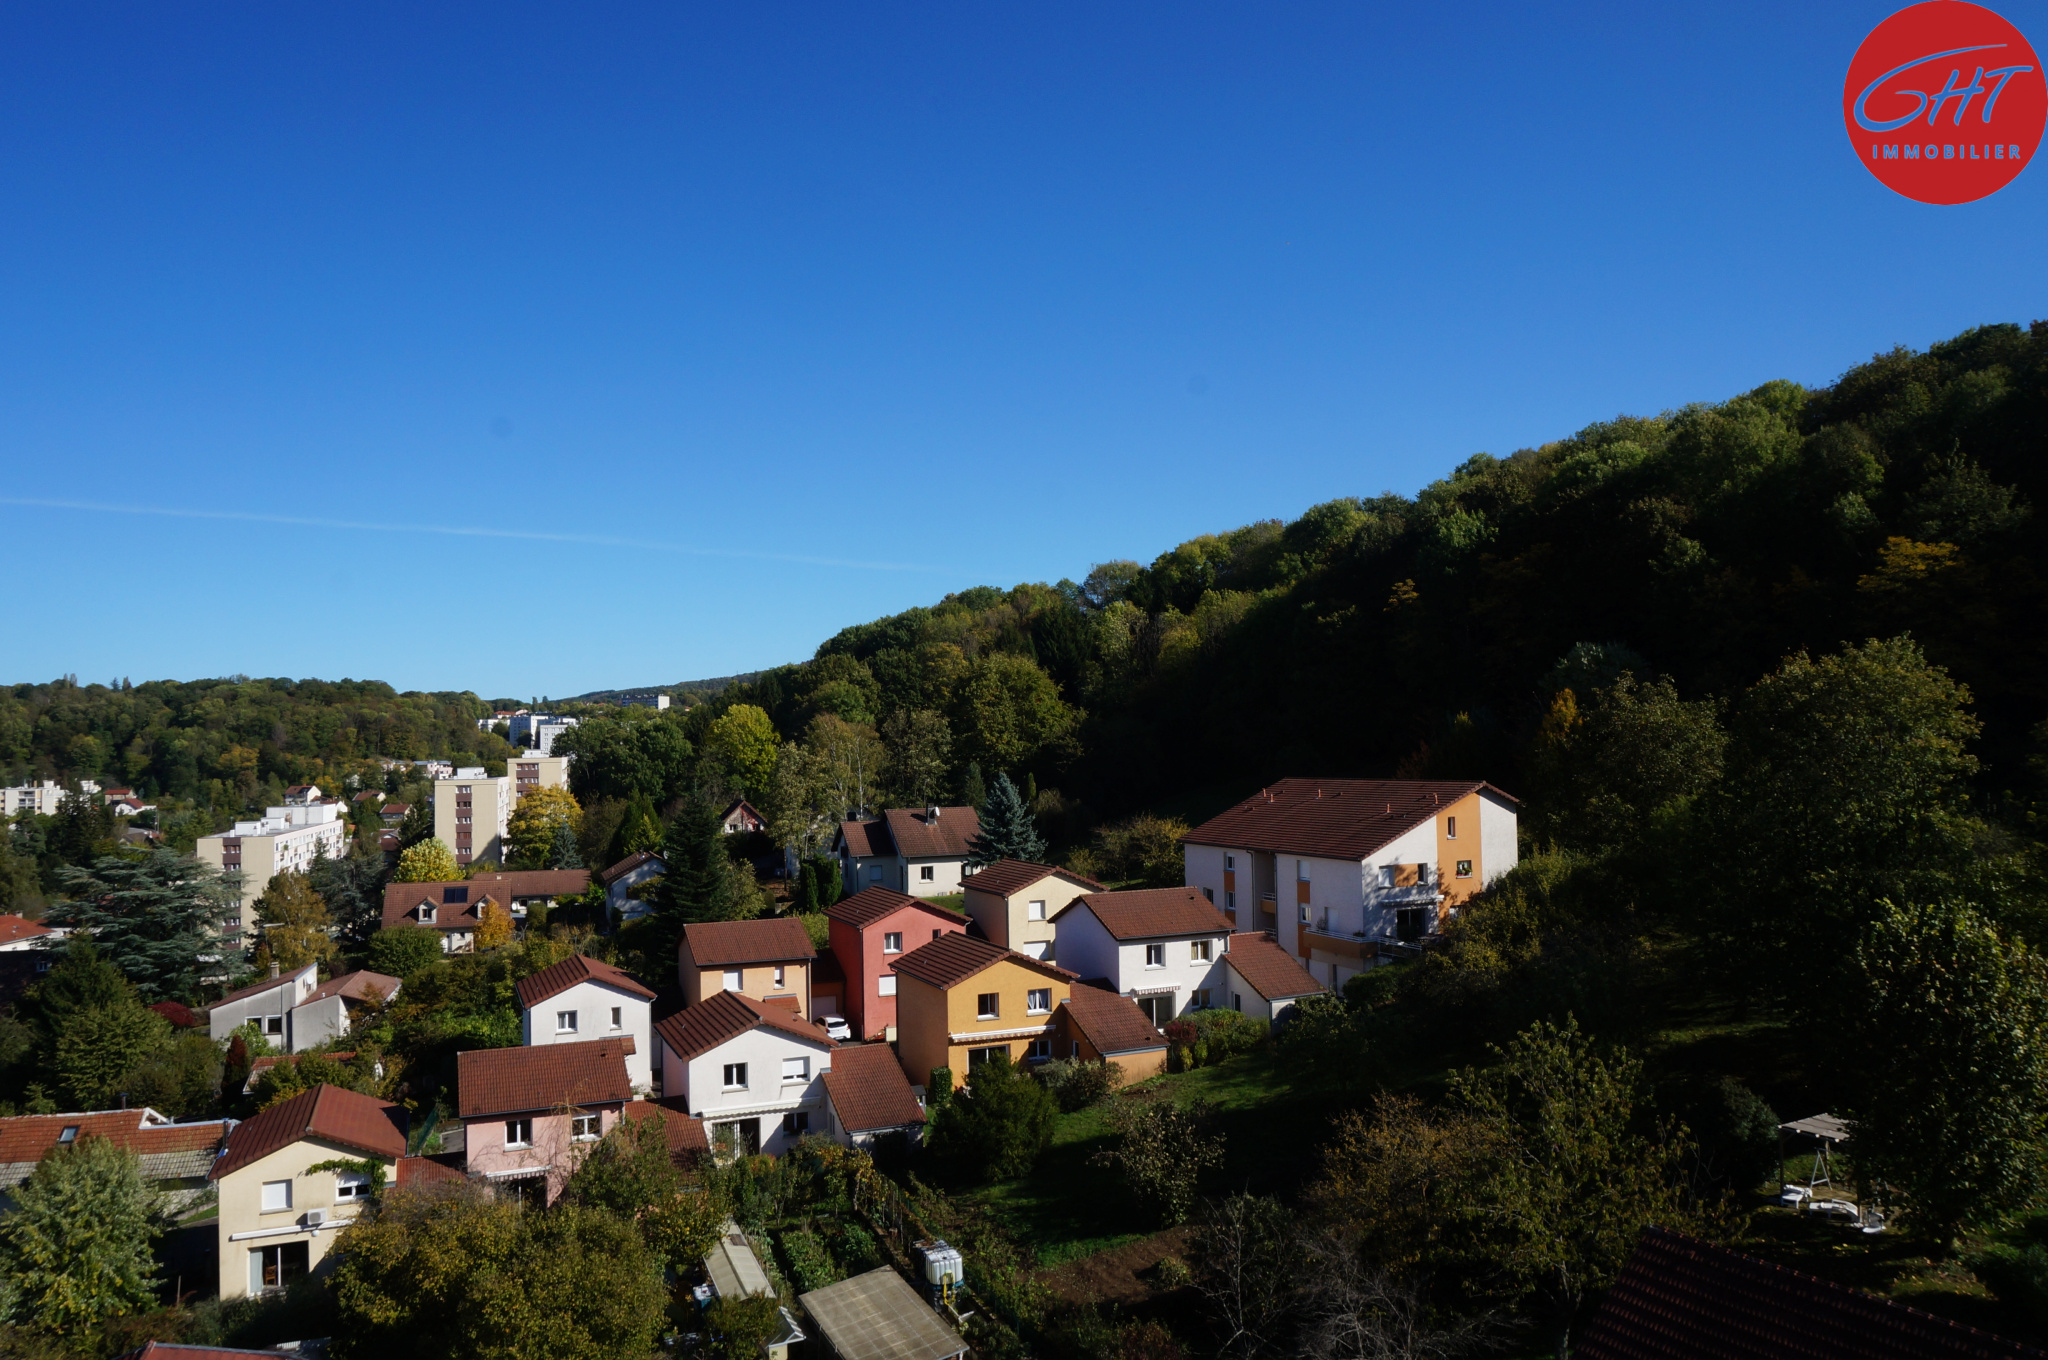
point(297, 927)
point(431, 861)
point(1607, 763)
point(75, 1250)
point(852, 759)
point(1007, 712)
point(1161, 1148)
point(541, 817)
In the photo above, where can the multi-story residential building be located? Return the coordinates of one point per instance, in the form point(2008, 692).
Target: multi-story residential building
point(749, 1070)
point(871, 930)
point(283, 840)
point(43, 798)
point(528, 1112)
point(1161, 947)
point(962, 1000)
point(536, 732)
point(472, 810)
point(582, 998)
point(920, 851)
point(1339, 869)
point(658, 702)
point(768, 959)
point(1014, 902)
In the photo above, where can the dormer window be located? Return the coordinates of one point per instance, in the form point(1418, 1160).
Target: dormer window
point(426, 911)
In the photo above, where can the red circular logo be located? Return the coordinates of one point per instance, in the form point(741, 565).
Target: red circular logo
point(1945, 102)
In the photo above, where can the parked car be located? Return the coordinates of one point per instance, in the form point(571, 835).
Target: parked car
point(836, 1027)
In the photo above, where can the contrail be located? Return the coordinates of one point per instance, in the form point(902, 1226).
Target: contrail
point(455, 531)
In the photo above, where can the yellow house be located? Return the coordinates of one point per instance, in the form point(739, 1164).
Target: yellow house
point(769, 959)
point(1014, 902)
point(962, 1000)
point(278, 1217)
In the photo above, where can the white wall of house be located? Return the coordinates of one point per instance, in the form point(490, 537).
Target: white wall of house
point(767, 1096)
point(1086, 948)
point(1241, 996)
point(946, 876)
point(270, 1009)
point(592, 1004)
point(1498, 847)
point(617, 895)
point(316, 1022)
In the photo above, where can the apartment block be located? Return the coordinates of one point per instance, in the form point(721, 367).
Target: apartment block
point(283, 840)
point(473, 810)
point(536, 732)
point(43, 797)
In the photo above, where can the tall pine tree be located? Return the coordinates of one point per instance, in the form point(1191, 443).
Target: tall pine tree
point(152, 918)
point(1007, 831)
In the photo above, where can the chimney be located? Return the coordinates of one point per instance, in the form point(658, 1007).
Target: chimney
point(931, 814)
point(273, 967)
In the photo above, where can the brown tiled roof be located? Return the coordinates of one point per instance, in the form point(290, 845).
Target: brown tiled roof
point(368, 796)
point(283, 979)
point(869, 1091)
point(356, 986)
point(917, 836)
point(866, 839)
point(1332, 818)
point(538, 882)
point(394, 809)
point(627, 866)
point(1111, 1022)
point(768, 939)
point(1268, 969)
point(686, 1136)
point(557, 978)
point(174, 1350)
point(1680, 1298)
point(726, 1015)
point(1008, 877)
point(14, 928)
point(1148, 913)
point(24, 1139)
point(414, 1172)
point(874, 902)
point(955, 957)
point(455, 904)
point(362, 1122)
point(509, 1080)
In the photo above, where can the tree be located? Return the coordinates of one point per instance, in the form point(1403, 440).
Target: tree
point(1143, 849)
point(851, 761)
point(740, 746)
point(565, 852)
point(494, 925)
point(1007, 831)
point(82, 979)
point(1355, 1313)
point(919, 742)
point(430, 861)
point(76, 1249)
point(1607, 766)
point(154, 918)
point(799, 804)
point(296, 923)
point(639, 754)
point(401, 951)
point(1007, 711)
point(352, 885)
point(741, 1328)
point(1949, 1064)
point(632, 1173)
point(1248, 1268)
point(1399, 1177)
point(1162, 1148)
point(416, 826)
point(997, 1126)
point(531, 831)
point(181, 1078)
point(100, 1046)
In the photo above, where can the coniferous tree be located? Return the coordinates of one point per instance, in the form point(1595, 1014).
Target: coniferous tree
point(76, 1249)
point(153, 918)
point(564, 854)
point(1007, 831)
point(353, 888)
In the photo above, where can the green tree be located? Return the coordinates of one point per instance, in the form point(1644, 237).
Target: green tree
point(1161, 1149)
point(1007, 831)
point(564, 852)
point(532, 829)
point(416, 826)
point(401, 951)
point(75, 1251)
point(100, 1046)
point(81, 979)
point(1606, 770)
point(851, 761)
point(997, 1126)
point(297, 928)
point(353, 888)
point(431, 861)
point(741, 1328)
point(919, 742)
point(740, 745)
point(154, 918)
point(1007, 711)
point(636, 755)
point(1949, 1065)
point(182, 1078)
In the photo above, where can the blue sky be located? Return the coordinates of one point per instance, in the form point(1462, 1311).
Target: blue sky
point(734, 325)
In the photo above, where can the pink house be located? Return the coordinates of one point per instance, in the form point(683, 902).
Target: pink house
point(870, 931)
point(530, 1115)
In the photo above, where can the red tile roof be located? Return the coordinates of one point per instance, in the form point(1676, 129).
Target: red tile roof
point(875, 902)
point(537, 882)
point(769, 939)
point(727, 1015)
point(1008, 877)
point(171, 1350)
point(916, 834)
point(1149, 913)
point(330, 1113)
point(1268, 969)
point(455, 904)
point(1332, 818)
point(1680, 1298)
point(512, 1080)
point(557, 978)
point(686, 1136)
point(628, 865)
point(864, 840)
point(1112, 1023)
point(24, 1139)
point(14, 928)
point(869, 1091)
point(414, 1172)
point(356, 986)
point(952, 959)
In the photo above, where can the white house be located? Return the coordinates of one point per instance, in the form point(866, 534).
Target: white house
point(1162, 947)
point(294, 1011)
point(582, 998)
point(752, 1072)
point(622, 878)
point(920, 851)
point(1263, 979)
point(1340, 870)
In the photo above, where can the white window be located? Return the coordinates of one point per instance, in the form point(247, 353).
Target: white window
point(1387, 872)
point(735, 1076)
point(273, 1024)
point(565, 1022)
point(350, 1186)
point(1301, 870)
point(1450, 828)
point(1038, 1001)
point(924, 873)
point(618, 1017)
point(734, 979)
point(1200, 1000)
point(1201, 951)
point(781, 975)
point(277, 1196)
point(426, 911)
point(583, 1128)
point(885, 986)
point(1034, 911)
point(892, 942)
point(518, 1133)
point(988, 1006)
point(1039, 1050)
point(796, 1069)
point(1155, 956)
point(1230, 862)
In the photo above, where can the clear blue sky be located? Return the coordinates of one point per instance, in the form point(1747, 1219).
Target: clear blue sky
point(766, 319)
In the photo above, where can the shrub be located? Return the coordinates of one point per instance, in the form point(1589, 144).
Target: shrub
point(2018, 1275)
point(810, 1265)
point(401, 951)
point(995, 1128)
point(1202, 1038)
point(1077, 1083)
point(1162, 1149)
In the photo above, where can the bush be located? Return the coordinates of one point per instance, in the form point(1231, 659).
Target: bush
point(740, 1328)
point(2018, 1275)
point(810, 1265)
point(1162, 1149)
point(996, 1127)
point(1077, 1083)
point(1203, 1038)
point(402, 951)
